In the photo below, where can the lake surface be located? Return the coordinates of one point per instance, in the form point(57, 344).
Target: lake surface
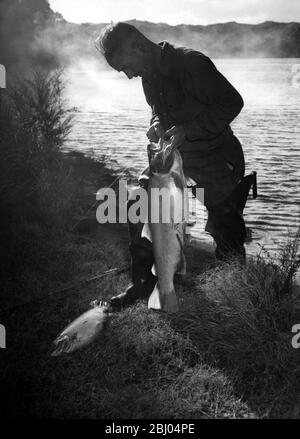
point(113, 118)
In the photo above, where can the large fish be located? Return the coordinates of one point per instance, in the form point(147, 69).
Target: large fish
point(83, 330)
point(167, 220)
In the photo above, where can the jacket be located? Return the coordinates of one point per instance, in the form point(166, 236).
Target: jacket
point(190, 91)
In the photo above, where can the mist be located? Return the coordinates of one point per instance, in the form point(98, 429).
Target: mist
point(92, 87)
point(20, 23)
point(33, 36)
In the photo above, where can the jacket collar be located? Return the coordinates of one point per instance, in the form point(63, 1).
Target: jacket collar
point(171, 61)
point(168, 60)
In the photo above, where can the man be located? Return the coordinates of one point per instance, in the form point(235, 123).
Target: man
point(193, 104)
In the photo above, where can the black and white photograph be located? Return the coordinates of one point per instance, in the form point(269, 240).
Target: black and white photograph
point(150, 212)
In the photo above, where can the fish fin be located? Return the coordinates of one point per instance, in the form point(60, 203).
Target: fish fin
point(154, 299)
point(56, 352)
point(62, 346)
point(170, 301)
point(146, 232)
point(178, 180)
point(60, 339)
point(181, 268)
point(153, 270)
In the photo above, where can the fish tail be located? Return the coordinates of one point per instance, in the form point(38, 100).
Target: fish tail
point(63, 346)
point(154, 299)
point(166, 302)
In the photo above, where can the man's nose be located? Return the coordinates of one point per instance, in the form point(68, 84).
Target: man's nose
point(128, 73)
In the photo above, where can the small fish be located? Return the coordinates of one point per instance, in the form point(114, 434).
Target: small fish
point(83, 330)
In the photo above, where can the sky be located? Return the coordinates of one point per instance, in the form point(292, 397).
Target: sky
point(178, 11)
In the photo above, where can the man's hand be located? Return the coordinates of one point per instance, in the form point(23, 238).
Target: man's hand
point(155, 132)
point(177, 135)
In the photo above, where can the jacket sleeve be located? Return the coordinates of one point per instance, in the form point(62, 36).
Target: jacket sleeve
point(217, 101)
point(155, 116)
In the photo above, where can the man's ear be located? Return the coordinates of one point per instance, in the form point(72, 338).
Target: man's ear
point(138, 47)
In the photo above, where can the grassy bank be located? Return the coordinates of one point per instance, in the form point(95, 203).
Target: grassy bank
point(227, 354)
point(44, 192)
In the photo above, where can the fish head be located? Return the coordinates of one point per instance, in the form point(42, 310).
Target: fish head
point(161, 157)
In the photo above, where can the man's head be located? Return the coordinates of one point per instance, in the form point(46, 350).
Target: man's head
point(126, 49)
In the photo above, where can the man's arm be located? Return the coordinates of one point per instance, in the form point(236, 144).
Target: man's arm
point(155, 117)
point(155, 130)
point(219, 102)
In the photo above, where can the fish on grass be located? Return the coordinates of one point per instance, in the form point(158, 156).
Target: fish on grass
point(83, 330)
point(167, 220)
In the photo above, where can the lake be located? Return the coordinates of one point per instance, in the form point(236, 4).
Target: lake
point(113, 118)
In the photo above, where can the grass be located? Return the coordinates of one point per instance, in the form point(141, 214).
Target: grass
point(44, 192)
point(241, 322)
point(227, 354)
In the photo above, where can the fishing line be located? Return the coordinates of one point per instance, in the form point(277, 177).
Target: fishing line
point(94, 204)
point(64, 291)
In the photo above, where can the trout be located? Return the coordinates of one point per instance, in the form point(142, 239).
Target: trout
point(83, 330)
point(167, 219)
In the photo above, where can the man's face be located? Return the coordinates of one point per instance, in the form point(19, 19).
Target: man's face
point(131, 60)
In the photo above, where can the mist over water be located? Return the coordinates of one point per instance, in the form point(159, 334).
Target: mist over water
point(113, 118)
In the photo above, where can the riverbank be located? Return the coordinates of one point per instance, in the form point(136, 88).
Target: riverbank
point(86, 248)
point(227, 354)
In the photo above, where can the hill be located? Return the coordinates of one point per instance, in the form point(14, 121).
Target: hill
point(222, 40)
point(45, 39)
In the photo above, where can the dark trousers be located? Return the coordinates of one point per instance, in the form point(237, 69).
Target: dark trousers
point(226, 222)
point(227, 226)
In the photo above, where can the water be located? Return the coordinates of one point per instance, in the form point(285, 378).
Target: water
point(113, 118)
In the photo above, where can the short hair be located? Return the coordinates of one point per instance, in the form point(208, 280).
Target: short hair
point(113, 36)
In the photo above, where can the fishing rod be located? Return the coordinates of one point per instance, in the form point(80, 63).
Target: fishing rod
point(63, 292)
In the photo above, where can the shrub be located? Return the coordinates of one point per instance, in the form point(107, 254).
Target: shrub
point(37, 188)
